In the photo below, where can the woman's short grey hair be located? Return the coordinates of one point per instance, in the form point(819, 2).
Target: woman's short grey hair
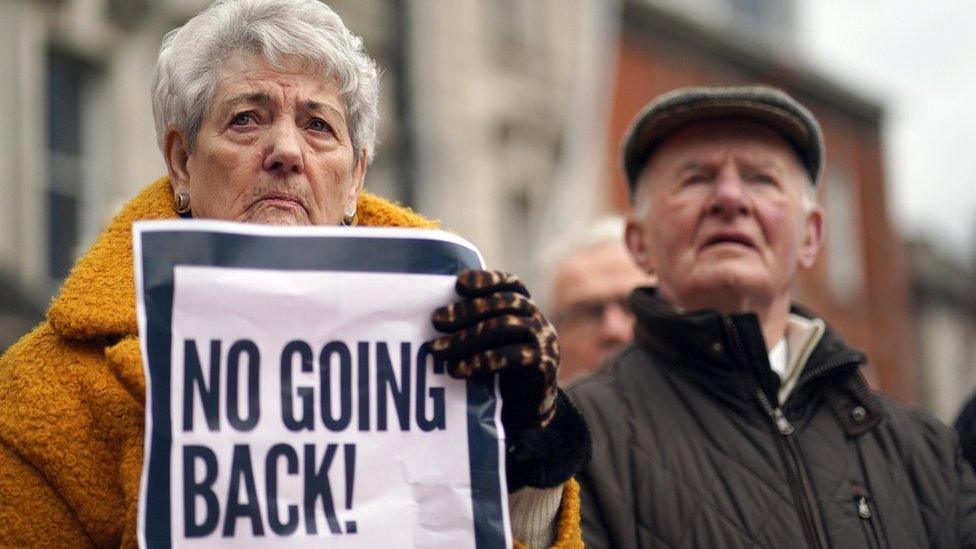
point(185, 78)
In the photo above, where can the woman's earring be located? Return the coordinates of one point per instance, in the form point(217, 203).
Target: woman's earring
point(181, 203)
point(349, 219)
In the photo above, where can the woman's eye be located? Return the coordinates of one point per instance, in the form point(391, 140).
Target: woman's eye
point(243, 119)
point(319, 125)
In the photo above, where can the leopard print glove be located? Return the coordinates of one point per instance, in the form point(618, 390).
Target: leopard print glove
point(496, 328)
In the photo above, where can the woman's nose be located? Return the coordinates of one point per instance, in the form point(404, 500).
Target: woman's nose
point(284, 150)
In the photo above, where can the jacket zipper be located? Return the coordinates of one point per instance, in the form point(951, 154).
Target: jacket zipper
point(796, 474)
point(806, 505)
point(868, 516)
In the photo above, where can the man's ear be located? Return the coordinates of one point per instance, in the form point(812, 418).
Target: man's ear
point(176, 153)
point(356, 186)
point(637, 244)
point(812, 237)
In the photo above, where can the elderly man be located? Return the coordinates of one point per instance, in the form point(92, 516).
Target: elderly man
point(586, 278)
point(736, 419)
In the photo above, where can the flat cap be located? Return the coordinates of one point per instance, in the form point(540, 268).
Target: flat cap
point(674, 110)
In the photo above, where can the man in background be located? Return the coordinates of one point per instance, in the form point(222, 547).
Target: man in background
point(586, 280)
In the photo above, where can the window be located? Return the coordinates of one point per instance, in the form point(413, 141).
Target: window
point(68, 96)
point(844, 252)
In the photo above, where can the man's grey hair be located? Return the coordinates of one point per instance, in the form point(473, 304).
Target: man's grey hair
point(190, 56)
point(609, 229)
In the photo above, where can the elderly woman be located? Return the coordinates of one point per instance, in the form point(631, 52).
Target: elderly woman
point(266, 112)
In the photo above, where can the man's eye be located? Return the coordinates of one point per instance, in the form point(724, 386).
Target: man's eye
point(763, 179)
point(319, 125)
point(243, 119)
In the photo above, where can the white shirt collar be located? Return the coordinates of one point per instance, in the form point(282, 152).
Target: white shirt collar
point(779, 357)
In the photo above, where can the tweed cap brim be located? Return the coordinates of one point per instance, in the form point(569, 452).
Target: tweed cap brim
point(672, 111)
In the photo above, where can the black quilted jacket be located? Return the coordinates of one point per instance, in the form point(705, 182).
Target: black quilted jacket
point(691, 448)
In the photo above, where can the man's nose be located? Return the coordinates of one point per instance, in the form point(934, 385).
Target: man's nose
point(616, 325)
point(283, 150)
point(729, 197)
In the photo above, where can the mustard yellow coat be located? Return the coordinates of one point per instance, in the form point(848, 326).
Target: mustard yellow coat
point(72, 394)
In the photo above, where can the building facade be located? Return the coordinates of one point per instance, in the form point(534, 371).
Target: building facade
point(944, 303)
point(473, 99)
point(501, 118)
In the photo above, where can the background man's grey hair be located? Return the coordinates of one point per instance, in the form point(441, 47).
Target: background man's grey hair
point(186, 72)
point(603, 230)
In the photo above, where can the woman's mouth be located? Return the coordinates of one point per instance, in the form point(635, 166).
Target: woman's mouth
point(280, 200)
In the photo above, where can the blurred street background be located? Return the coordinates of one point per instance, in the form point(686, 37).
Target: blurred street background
point(503, 119)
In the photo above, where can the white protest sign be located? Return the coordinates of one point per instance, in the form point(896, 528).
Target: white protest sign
point(292, 400)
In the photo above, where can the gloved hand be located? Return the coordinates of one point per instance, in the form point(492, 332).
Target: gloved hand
point(497, 329)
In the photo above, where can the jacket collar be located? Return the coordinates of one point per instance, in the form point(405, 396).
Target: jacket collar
point(727, 349)
point(97, 301)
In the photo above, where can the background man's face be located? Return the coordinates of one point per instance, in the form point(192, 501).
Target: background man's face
point(589, 302)
point(722, 218)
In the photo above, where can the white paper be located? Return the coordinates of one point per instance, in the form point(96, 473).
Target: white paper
point(410, 468)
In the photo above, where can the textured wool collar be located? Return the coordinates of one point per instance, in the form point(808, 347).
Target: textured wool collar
point(98, 298)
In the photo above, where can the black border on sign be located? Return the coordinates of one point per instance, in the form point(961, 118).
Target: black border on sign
point(163, 250)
